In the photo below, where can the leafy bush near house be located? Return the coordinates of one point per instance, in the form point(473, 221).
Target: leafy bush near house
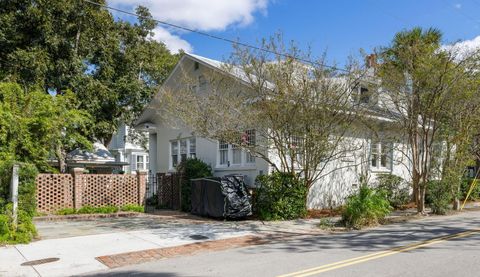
point(191, 168)
point(395, 188)
point(366, 207)
point(280, 196)
point(439, 196)
point(24, 230)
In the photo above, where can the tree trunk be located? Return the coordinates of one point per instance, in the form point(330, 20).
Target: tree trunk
point(61, 156)
point(456, 204)
point(421, 199)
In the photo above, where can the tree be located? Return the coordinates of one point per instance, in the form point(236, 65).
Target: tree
point(113, 67)
point(35, 126)
point(295, 116)
point(422, 81)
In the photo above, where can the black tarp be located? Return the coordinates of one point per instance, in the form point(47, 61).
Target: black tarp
point(225, 197)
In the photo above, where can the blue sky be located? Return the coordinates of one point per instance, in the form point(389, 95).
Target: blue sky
point(340, 27)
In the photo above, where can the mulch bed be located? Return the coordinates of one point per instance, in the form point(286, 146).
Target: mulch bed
point(322, 213)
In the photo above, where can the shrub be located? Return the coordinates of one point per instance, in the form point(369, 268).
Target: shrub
point(395, 188)
point(24, 230)
point(280, 196)
point(439, 196)
point(366, 207)
point(101, 210)
point(132, 208)
point(66, 211)
point(97, 210)
point(191, 169)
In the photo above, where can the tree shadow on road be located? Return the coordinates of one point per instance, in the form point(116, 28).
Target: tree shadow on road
point(381, 238)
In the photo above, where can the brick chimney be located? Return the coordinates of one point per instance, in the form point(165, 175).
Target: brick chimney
point(371, 61)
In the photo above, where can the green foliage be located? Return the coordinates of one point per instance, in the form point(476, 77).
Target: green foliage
point(465, 187)
point(111, 65)
point(66, 211)
point(395, 189)
point(97, 210)
point(366, 207)
point(23, 232)
point(101, 210)
point(132, 208)
point(439, 196)
point(280, 196)
point(34, 125)
point(191, 169)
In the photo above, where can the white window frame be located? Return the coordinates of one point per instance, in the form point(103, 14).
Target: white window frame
point(383, 150)
point(144, 162)
point(186, 150)
point(246, 158)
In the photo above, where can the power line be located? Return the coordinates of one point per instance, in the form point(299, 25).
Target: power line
point(218, 37)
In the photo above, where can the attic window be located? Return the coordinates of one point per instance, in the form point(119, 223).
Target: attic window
point(196, 65)
point(364, 97)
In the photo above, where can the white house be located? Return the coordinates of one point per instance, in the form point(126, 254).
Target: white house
point(125, 151)
point(168, 146)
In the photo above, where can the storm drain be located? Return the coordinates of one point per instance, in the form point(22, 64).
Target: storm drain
point(198, 237)
point(41, 261)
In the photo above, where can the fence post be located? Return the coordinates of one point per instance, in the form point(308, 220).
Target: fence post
point(77, 187)
point(141, 186)
point(14, 193)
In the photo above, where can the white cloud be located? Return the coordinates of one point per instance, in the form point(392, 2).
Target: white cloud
point(205, 15)
point(463, 48)
point(174, 43)
point(458, 6)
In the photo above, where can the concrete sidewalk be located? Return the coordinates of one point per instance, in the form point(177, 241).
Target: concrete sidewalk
point(77, 254)
point(77, 243)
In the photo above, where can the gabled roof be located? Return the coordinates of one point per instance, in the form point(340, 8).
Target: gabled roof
point(233, 71)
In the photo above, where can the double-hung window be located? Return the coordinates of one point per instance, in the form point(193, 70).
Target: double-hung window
point(236, 154)
point(223, 151)
point(193, 148)
point(174, 153)
point(182, 149)
point(142, 162)
point(249, 139)
point(381, 155)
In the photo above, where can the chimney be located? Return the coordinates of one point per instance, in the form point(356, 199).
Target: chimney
point(371, 61)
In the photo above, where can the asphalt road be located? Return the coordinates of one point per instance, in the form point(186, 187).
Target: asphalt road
point(434, 246)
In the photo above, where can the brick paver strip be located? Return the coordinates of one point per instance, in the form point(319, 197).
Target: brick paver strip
point(123, 259)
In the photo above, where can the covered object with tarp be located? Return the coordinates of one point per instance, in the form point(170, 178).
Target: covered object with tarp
point(225, 197)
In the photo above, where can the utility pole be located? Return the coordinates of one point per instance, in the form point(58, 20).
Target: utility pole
point(14, 193)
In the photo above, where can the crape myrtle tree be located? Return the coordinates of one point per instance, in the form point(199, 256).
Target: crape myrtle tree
point(423, 82)
point(460, 126)
point(293, 115)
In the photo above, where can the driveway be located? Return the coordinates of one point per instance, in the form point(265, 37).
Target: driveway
point(79, 243)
